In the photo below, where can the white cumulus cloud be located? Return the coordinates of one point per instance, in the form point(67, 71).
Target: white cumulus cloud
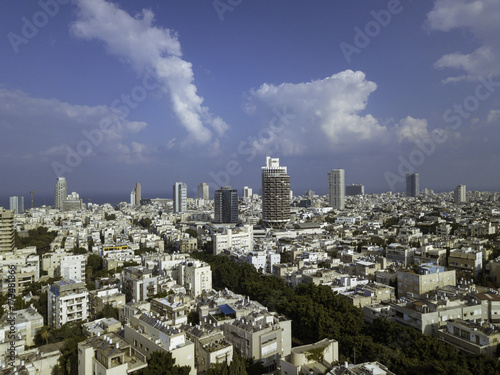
point(481, 18)
point(411, 129)
point(325, 114)
point(144, 45)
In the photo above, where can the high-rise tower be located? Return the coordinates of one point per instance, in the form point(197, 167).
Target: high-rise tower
point(275, 193)
point(412, 184)
point(460, 194)
point(6, 230)
point(336, 189)
point(60, 192)
point(203, 192)
point(226, 205)
point(16, 204)
point(180, 197)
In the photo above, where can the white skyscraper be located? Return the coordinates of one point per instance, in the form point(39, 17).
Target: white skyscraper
point(275, 193)
point(135, 195)
point(247, 192)
point(460, 194)
point(180, 197)
point(336, 188)
point(60, 192)
point(203, 191)
point(16, 204)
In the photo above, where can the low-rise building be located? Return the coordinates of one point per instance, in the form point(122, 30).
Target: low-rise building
point(466, 260)
point(429, 278)
point(109, 354)
point(211, 347)
point(317, 358)
point(261, 335)
point(148, 333)
point(471, 336)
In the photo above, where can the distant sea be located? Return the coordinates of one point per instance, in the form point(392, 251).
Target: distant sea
point(41, 199)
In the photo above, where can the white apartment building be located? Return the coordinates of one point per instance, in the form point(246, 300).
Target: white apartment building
point(147, 334)
point(262, 336)
point(68, 301)
point(138, 283)
point(27, 323)
point(240, 239)
point(108, 354)
point(73, 267)
point(264, 260)
point(197, 277)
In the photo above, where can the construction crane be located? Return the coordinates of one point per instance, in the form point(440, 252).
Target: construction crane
point(31, 192)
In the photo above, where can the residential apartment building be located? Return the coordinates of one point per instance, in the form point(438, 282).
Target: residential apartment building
point(109, 354)
point(196, 277)
point(27, 323)
point(471, 337)
point(73, 267)
point(138, 283)
point(147, 333)
point(101, 297)
point(262, 336)
point(466, 260)
point(302, 362)
point(430, 278)
point(240, 238)
point(210, 345)
point(68, 301)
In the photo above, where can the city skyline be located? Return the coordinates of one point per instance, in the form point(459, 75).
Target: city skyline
point(205, 95)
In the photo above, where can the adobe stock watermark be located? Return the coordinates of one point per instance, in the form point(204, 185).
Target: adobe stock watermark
point(30, 26)
point(248, 148)
point(111, 124)
point(10, 355)
point(223, 6)
point(454, 116)
point(363, 36)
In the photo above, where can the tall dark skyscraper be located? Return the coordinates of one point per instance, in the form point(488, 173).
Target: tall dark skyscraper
point(226, 205)
point(336, 189)
point(412, 184)
point(275, 193)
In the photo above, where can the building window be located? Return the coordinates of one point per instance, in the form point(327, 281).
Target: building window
point(465, 335)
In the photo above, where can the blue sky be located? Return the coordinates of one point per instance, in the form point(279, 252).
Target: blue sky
point(108, 94)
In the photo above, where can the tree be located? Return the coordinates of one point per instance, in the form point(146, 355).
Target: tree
point(108, 311)
point(45, 334)
point(162, 363)
point(109, 216)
